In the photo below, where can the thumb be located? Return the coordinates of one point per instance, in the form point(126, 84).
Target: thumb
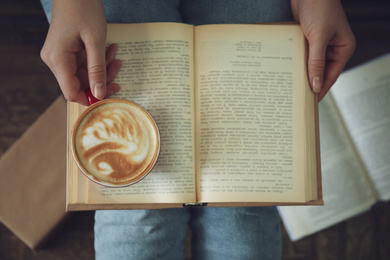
point(316, 64)
point(96, 63)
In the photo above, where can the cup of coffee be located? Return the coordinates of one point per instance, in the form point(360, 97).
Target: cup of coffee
point(115, 142)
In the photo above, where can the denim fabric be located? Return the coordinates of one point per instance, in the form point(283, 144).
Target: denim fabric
point(218, 233)
point(134, 11)
point(141, 234)
point(199, 12)
point(193, 11)
point(236, 233)
point(142, 11)
point(46, 4)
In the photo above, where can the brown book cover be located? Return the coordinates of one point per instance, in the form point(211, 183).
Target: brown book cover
point(225, 117)
point(33, 182)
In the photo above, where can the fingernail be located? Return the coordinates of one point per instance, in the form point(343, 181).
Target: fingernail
point(112, 88)
point(99, 91)
point(316, 84)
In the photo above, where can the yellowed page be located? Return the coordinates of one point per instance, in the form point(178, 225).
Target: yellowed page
point(347, 188)
point(250, 122)
point(158, 75)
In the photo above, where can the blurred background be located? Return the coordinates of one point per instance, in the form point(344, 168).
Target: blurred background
point(27, 88)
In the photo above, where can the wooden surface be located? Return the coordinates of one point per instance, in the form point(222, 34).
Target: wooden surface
point(27, 88)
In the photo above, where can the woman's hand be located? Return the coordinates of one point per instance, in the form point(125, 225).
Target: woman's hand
point(75, 50)
point(331, 41)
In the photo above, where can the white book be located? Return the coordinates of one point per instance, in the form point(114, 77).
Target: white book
point(355, 150)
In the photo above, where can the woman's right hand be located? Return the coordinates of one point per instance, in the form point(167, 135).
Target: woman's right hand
point(75, 50)
point(331, 40)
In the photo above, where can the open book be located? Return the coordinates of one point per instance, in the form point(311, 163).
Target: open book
point(355, 149)
point(237, 119)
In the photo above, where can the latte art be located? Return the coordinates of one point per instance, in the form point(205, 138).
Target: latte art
point(117, 143)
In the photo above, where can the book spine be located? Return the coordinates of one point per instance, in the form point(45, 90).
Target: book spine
point(194, 205)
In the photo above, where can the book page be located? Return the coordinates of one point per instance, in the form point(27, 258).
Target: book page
point(157, 73)
point(346, 189)
point(250, 92)
point(362, 96)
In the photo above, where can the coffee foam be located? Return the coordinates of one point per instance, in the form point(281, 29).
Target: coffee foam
point(117, 142)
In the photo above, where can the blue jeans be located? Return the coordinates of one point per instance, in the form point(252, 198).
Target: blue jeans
point(218, 233)
point(193, 11)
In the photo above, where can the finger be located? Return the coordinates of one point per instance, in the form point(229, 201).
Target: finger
point(113, 65)
point(73, 94)
point(112, 88)
point(82, 75)
point(112, 72)
point(96, 63)
point(65, 72)
point(81, 58)
point(332, 71)
point(113, 69)
point(316, 63)
point(111, 53)
point(337, 58)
